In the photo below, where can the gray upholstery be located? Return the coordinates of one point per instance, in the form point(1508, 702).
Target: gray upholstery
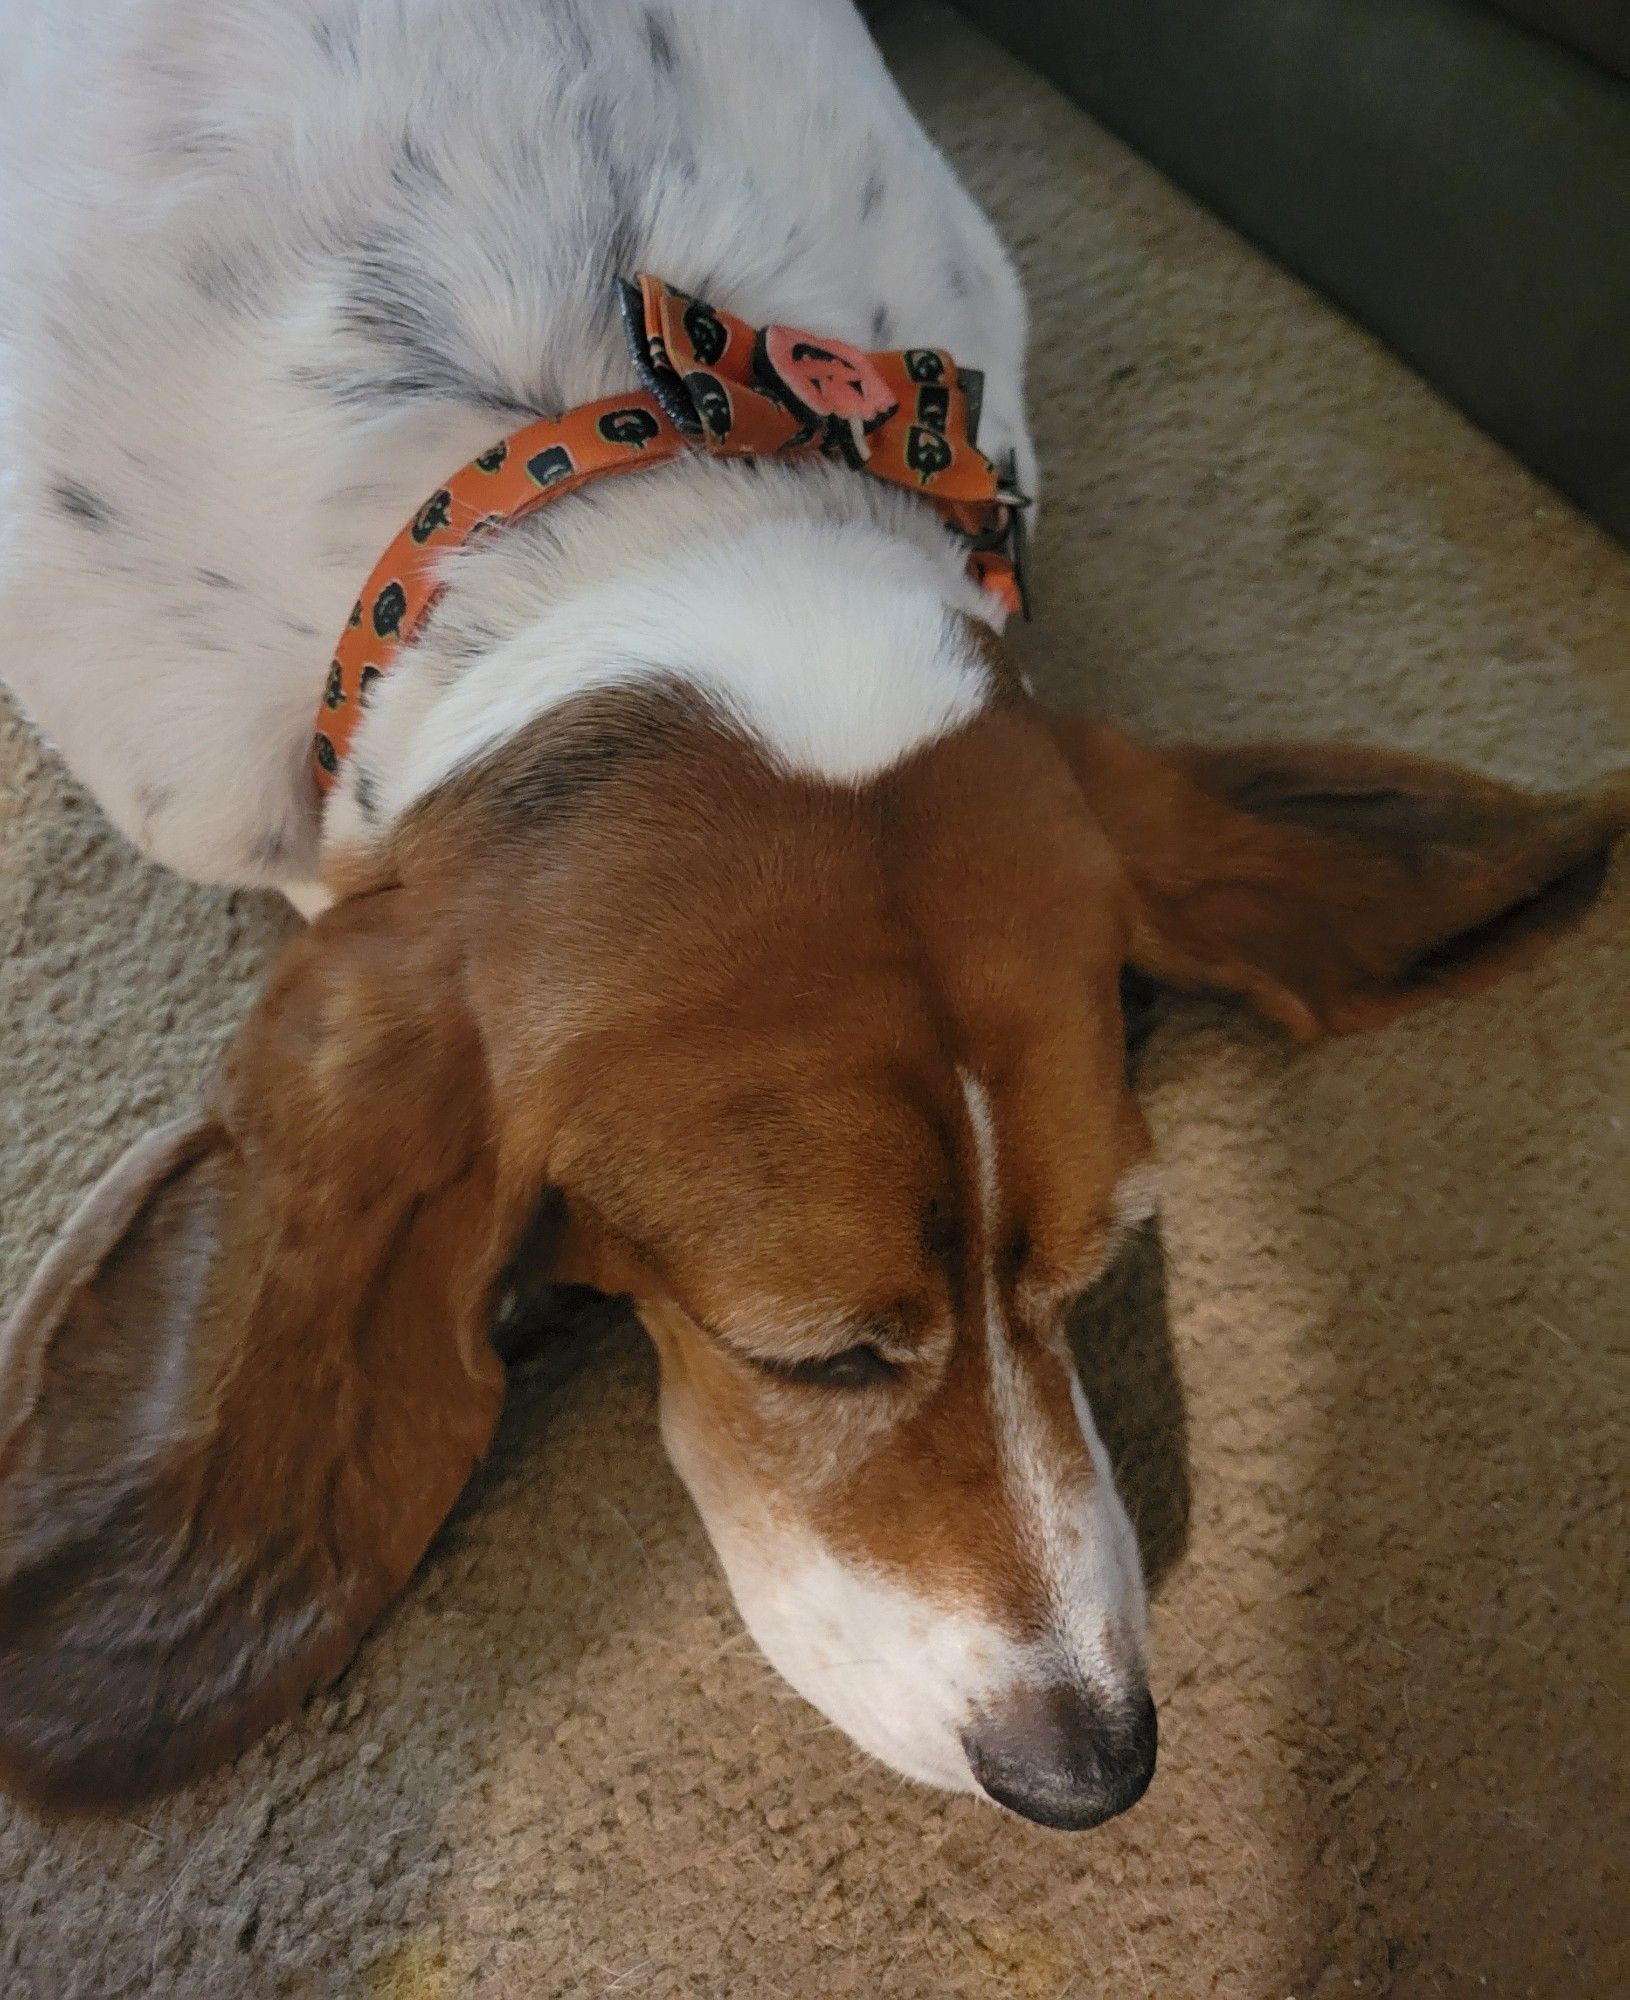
point(1599, 29)
point(1460, 184)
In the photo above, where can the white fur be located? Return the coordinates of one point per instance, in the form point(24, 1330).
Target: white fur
point(1136, 1198)
point(899, 1675)
point(827, 633)
point(270, 269)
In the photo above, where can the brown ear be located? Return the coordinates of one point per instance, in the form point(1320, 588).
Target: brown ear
point(1336, 888)
point(249, 1382)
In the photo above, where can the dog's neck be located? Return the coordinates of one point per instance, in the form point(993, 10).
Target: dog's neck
point(828, 618)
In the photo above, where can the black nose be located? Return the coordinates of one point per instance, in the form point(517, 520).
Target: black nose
point(1064, 1755)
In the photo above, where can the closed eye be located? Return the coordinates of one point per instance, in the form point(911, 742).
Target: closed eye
point(859, 1367)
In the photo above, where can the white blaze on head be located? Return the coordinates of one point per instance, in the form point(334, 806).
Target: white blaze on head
point(1077, 1534)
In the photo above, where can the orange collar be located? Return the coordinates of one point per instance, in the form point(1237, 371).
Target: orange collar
point(713, 382)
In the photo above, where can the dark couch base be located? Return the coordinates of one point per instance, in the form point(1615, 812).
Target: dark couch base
point(1458, 184)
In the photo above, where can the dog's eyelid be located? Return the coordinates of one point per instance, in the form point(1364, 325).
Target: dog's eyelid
point(875, 1350)
point(826, 1332)
point(857, 1367)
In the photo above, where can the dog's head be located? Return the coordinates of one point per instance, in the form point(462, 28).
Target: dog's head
point(829, 1080)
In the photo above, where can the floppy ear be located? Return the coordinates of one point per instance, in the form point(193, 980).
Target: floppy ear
point(1336, 888)
point(249, 1382)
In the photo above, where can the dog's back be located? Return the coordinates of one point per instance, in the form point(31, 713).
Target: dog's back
point(270, 270)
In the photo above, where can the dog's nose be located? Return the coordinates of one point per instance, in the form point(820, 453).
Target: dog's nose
point(1064, 1755)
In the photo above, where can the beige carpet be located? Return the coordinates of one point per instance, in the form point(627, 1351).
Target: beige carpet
point(1393, 1730)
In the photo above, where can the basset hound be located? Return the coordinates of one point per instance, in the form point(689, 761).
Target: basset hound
point(704, 909)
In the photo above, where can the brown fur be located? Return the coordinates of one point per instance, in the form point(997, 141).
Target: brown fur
point(1339, 887)
point(245, 1418)
point(707, 1021)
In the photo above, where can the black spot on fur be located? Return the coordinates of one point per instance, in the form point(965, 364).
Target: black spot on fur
point(225, 280)
point(152, 802)
point(956, 277)
point(80, 504)
point(214, 579)
point(413, 170)
point(386, 307)
point(336, 36)
point(420, 341)
point(476, 640)
point(366, 792)
point(880, 324)
point(588, 742)
point(660, 42)
point(871, 195)
point(190, 141)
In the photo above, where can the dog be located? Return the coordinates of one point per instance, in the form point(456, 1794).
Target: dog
point(704, 910)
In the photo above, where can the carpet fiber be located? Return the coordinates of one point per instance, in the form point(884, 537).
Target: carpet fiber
point(1367, 1387)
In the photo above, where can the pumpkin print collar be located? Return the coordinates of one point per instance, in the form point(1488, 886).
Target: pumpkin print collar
point(708, 382)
